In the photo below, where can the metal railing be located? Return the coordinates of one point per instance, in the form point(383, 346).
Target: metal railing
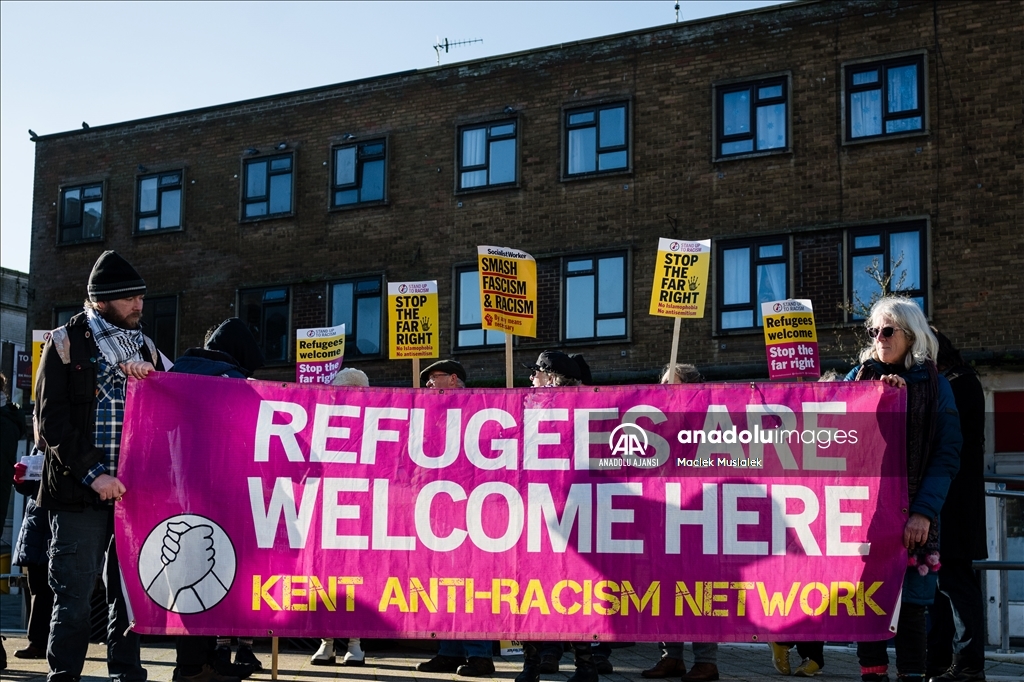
point(1002, 565)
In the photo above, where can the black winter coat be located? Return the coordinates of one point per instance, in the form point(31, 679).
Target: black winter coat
point(66, 417)
point(963, 515)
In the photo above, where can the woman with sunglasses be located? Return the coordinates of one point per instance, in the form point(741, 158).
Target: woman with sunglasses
point(902, 352)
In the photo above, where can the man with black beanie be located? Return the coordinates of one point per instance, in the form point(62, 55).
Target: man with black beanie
point(80, 395)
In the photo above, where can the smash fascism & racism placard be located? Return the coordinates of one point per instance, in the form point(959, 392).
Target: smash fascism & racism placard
point(680, 278)
point(413, 320)
point(791, 340)
point(508, 290)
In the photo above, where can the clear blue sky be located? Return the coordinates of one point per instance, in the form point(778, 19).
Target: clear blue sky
point(62, 63)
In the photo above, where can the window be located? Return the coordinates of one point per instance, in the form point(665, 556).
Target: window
point(357, 304)
point(885, 260)
point(751, 117)
point(63, 314)
point(469, 331)
point(595, 297)
point(267, 314)
point(81, 214)
point(158, 202)
point(884, 98)
point(596, 140)
point(359, 174)
point(268, 187)
point(487, 155)
point(160, 322)
point(750, 272)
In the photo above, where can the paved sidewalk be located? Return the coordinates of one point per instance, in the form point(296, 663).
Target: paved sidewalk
point(745, 662)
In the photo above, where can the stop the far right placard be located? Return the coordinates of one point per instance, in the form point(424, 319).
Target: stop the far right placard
point(680, 278)
point(791, 340)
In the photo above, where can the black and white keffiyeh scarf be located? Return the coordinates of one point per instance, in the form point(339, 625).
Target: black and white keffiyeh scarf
point(117, 345)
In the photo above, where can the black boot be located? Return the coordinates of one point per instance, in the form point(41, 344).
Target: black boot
point(586, 668)
point(531, 663)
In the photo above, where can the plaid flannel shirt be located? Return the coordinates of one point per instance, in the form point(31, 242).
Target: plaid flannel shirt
point(110, 398)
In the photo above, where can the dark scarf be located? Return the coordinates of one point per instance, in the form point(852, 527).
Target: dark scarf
point(922, 397)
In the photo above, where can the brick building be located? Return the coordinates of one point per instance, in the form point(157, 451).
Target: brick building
point(807, 141)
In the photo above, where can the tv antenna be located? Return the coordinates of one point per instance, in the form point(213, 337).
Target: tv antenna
point(438, 46)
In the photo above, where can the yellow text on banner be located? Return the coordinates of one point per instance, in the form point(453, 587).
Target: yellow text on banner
point(508, 290)
point(319, 353)
point(39, 338)
point(413, 320)
point(680, 278)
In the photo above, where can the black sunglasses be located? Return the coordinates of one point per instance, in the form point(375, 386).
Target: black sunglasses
point(886, 331)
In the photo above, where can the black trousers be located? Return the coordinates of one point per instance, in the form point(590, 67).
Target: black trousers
point(957, 634)
point(911, 640)
point(194, 650)
point(40, 604)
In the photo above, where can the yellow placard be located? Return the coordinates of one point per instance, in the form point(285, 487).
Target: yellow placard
point(680, 278)
point(413, 320)
point(39, 339)
point(788, 321)
point(508, 290)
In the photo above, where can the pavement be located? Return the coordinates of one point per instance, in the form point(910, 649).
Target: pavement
point(747, 662)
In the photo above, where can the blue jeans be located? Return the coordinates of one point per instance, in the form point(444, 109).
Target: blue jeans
point(81, 542)
point(465, 648)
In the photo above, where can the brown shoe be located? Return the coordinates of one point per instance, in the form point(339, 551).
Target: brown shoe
point(666, 667)
point(702, 672)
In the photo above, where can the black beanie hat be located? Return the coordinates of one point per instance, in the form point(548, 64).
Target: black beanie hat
point(113, 277)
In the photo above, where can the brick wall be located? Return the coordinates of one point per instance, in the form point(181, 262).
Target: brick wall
point(964, 176)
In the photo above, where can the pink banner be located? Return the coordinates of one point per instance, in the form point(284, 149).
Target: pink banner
point(742, 512)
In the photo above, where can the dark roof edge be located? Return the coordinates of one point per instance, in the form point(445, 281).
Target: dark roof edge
point(399, 74)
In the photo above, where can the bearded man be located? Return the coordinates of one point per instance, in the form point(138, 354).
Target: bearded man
point(80, 397)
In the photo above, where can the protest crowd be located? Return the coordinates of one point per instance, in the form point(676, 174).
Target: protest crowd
point(67, 540)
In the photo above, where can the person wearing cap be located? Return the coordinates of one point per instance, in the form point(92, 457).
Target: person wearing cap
point(555, 368)
point(444, 374)
point(552, 369)
point(80, 397)
point(466, 657)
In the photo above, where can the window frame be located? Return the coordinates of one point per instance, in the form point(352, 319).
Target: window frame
point(565, 275)
point(80, 225)
point(150, 303)
point(59, 311)
point(351, 350)
point(333, 188)
point(487, 125)
point(885, 230)
point(721, 88)
point(626, 104)
point(754, 303)
point(457, 325)
point(260, 333)
point(160, 191)
point(918, 58)
point(244, 199)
